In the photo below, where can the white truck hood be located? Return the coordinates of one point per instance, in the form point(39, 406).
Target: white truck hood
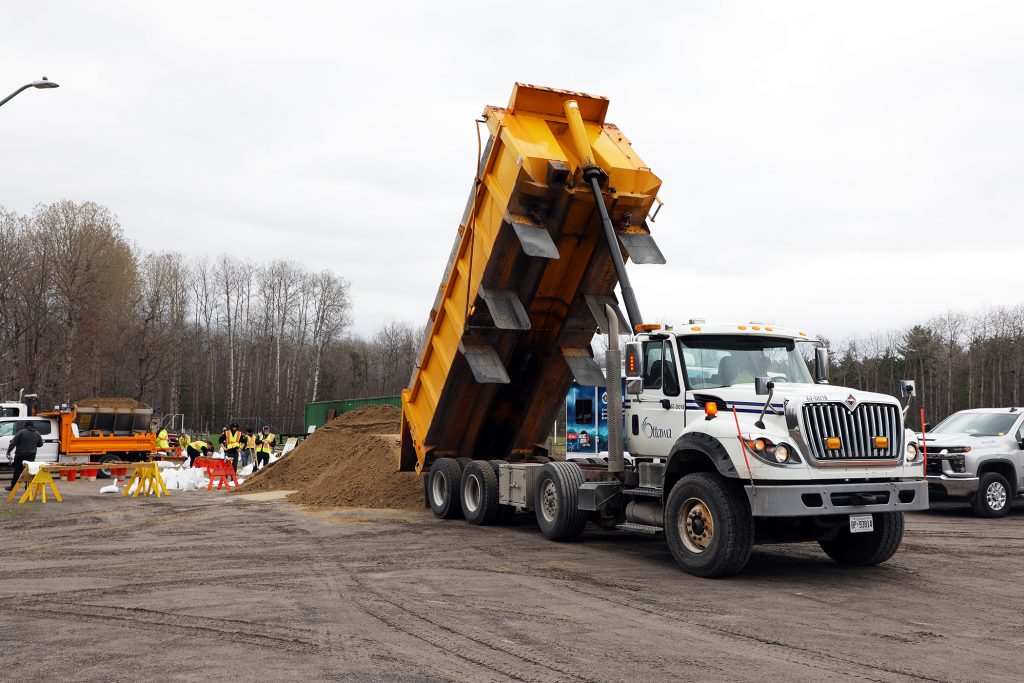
point(743, 395)
point(942, 440)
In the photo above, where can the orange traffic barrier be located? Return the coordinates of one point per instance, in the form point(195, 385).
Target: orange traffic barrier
point(221, 472)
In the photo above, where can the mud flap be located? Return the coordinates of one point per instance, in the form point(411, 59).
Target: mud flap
point(641, 248)
point(585, 369)
point(506, 310)
point(536, 240)
point(484, 362)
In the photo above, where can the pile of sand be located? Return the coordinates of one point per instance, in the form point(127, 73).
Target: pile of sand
point(108, 403)
point(351, 461)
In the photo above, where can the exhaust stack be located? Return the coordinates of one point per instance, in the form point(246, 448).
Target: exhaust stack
point(613, 385)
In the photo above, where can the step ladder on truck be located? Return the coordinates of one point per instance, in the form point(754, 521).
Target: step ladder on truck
point(732, 439)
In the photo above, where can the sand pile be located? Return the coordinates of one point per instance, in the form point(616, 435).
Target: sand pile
point(351, 461)
point(116, 402)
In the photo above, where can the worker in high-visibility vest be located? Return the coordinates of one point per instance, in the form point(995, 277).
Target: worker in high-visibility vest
point(162, 442)
point(264, 446)
point(249, 448)
point(231, 439)
point(182, 442)
point(196, 449)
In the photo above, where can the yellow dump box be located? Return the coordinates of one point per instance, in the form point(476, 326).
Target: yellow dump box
point(528, 279)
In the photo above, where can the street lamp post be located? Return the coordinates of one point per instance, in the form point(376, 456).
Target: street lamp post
point(42, 83)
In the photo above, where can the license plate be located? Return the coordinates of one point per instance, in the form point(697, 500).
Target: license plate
point(860, 524)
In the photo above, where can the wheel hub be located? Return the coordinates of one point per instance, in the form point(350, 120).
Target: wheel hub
point(438, 489)
point(995, 495)
point(549, 501)
point(696, 525)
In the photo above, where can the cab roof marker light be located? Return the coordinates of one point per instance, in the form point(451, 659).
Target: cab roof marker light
point(646, 327)
point(741, 327)
point(695, 329)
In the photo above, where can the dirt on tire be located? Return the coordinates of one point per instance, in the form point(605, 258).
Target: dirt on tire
point(352, 461)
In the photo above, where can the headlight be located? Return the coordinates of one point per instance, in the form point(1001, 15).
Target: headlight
point(911, 452)
point(781, 453)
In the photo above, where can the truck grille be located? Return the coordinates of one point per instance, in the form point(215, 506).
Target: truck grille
point(856, 430)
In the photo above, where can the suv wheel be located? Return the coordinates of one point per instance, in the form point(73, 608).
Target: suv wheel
point(994, 497)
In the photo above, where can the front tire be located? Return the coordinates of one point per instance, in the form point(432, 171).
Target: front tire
point(708, 525)
point(866, 549)
point(993, 498)
point(556, 501)
point(443, 488)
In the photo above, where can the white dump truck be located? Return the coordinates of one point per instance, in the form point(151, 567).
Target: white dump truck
point(732, 440)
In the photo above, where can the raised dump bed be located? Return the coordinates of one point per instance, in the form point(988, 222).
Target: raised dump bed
point(528, 278)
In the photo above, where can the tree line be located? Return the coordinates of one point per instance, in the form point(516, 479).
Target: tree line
point(958, 360)
point(85, 312)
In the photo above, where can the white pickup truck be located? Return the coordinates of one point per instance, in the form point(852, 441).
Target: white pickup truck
point(978, 455)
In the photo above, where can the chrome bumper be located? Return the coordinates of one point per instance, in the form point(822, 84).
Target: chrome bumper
point(836, 499)
point(957, 487)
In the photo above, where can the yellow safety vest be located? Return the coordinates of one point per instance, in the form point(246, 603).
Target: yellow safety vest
point(183, 441)
point(161, 439)
point(197, 445)
point(232, 440)
point(265, 443)
point(250, 441)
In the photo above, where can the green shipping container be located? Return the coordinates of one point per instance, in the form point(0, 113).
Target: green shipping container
point(318, 413)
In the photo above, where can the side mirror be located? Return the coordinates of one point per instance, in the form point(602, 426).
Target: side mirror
point(821, 365)
point(907, 388)
point(762, 386)
point(927, 426)
point(635, 385)
point(1020, 439)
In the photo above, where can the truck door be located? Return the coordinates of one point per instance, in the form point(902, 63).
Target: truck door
point(48, 430)
point(653, 427)
point(6, 432)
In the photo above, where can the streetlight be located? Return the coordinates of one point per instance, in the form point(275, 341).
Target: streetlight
point(42, 83)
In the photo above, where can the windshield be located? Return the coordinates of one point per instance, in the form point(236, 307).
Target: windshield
point(976, 424)
point(723, 361)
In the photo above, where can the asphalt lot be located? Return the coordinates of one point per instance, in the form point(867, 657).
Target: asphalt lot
point(201, 586)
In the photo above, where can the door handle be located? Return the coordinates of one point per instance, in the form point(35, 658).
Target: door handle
point(666, 404)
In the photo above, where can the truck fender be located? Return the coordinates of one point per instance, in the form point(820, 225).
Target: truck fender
point(1003, 467)
point(696, 452)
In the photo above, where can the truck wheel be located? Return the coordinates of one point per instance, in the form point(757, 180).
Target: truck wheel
point(866, 549)
point(445, 482)
point(708, 525)
point(479, 493)
point(104, 472)
point(993, 498)
point(555, 501)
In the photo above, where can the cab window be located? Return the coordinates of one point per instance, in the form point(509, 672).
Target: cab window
point(660, 367)
point(6, 429)
point(42, 426)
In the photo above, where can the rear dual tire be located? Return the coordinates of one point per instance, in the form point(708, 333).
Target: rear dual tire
point(444, 486)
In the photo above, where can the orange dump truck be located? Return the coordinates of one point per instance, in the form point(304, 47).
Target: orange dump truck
point(67, 439)
point(529, 279)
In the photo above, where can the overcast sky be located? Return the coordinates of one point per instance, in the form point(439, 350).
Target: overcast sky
point(839, 167)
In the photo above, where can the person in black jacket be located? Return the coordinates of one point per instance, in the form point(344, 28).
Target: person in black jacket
point(24, 444)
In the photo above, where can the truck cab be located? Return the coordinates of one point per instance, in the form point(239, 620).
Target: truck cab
point(978, 456)
point(47, 428)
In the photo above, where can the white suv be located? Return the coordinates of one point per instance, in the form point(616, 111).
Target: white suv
point(978, 455)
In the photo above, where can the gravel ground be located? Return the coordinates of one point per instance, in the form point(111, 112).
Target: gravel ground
point(201, 586)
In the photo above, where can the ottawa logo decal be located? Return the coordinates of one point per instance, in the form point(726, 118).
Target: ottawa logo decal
point(653, 432)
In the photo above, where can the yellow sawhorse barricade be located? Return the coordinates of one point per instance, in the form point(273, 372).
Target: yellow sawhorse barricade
point(35, 486)
point(145, 475)
point(147, 479)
